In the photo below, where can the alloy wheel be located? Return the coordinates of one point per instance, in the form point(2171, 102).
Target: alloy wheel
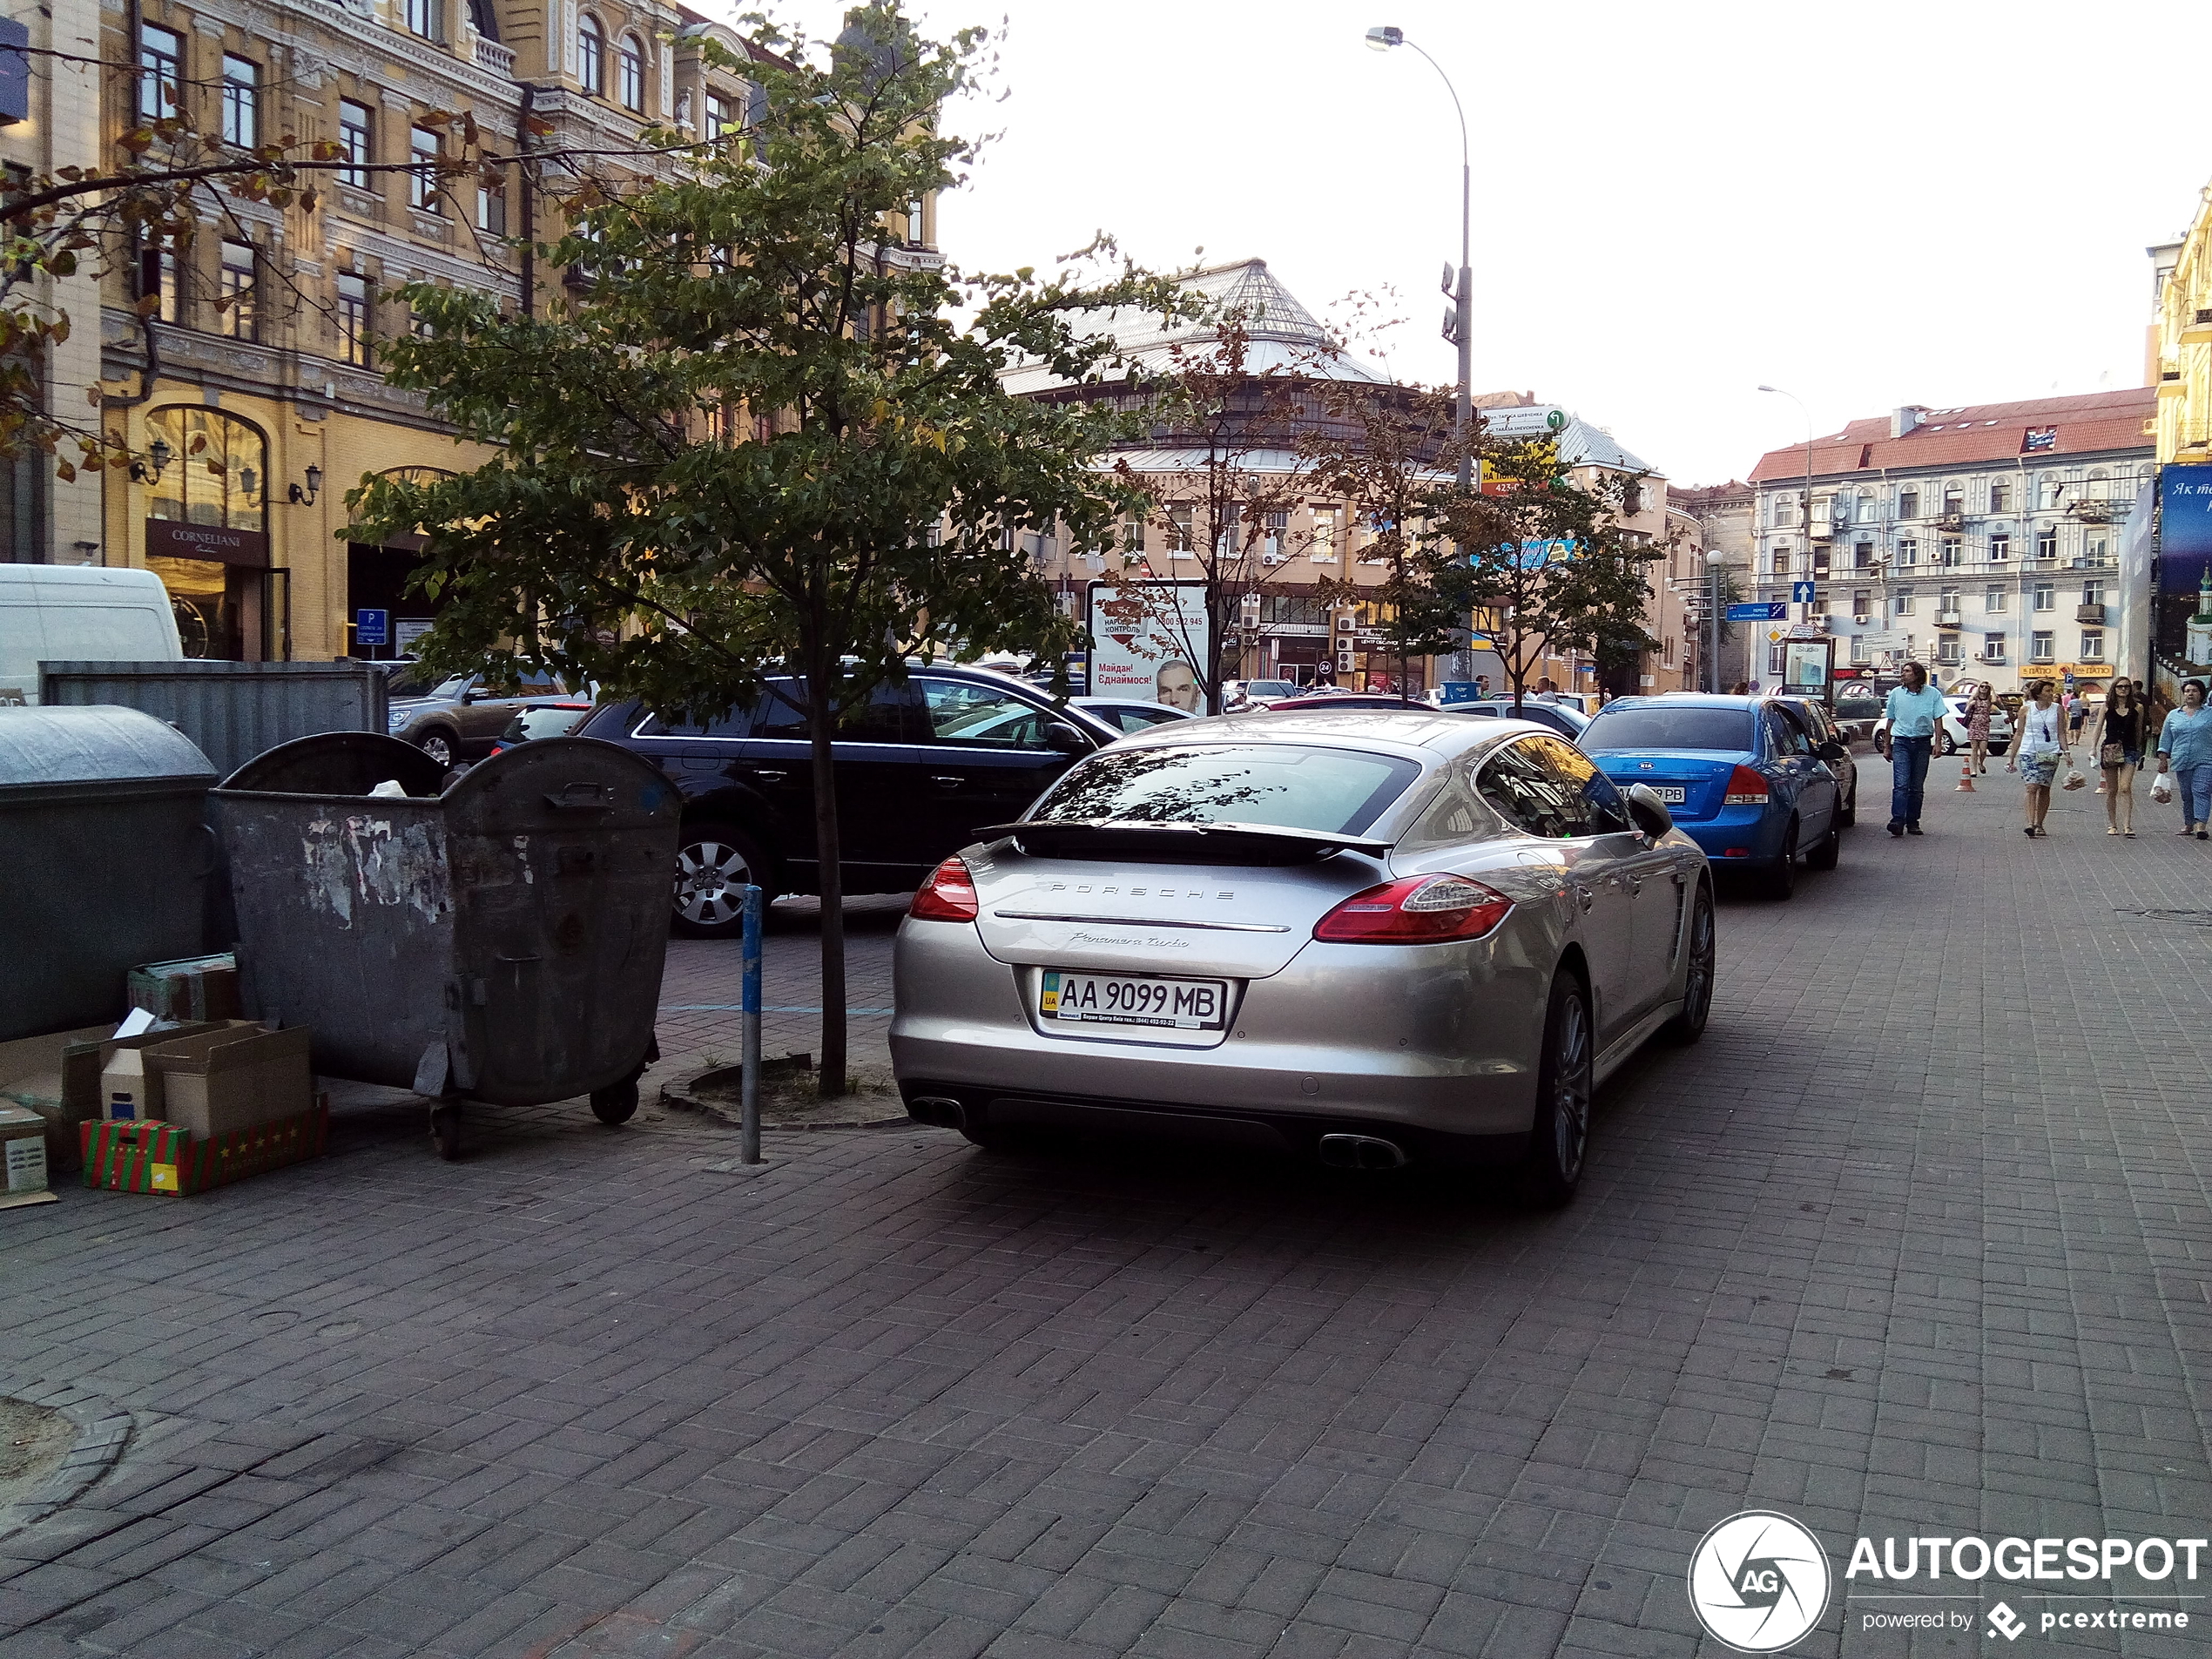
point(439, 747)
point(1571, 1088)
point(1698, 980)
point(711, 877)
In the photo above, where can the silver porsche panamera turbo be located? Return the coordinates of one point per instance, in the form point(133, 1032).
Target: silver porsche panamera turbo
point(1374, 937)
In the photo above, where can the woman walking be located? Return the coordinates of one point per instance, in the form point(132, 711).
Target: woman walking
point(2041, 747)
point(2185, 749)
point(1977, 713)
point(2119, 752)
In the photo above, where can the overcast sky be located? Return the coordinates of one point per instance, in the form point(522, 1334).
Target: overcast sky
point(1940, 202)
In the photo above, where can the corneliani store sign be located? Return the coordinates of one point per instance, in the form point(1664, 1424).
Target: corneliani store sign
point(169, 538)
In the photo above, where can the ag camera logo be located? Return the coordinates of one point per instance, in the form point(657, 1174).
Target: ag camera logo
point(1759, 1582)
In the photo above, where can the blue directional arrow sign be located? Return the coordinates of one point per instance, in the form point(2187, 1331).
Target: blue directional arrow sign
point(1801, 592)
point(1762, 611)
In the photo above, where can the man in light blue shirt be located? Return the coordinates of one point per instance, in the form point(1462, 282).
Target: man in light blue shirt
point(1915, 711)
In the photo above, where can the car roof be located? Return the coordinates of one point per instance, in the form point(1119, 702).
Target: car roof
point(1418, 733)
point(1685, 699)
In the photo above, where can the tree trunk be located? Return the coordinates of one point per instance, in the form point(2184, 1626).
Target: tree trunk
point(822, 729)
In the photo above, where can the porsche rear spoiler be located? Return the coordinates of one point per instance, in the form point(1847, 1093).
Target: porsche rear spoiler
point(1179, 843)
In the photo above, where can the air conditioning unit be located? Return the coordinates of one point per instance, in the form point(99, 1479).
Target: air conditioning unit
point(1272, 559)
point(1862, 616)
point(1344, 662)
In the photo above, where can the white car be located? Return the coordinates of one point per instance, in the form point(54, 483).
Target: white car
point(1954, 730)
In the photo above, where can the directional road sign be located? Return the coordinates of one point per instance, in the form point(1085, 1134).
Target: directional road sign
point(1801, 593)
point(1763, 611)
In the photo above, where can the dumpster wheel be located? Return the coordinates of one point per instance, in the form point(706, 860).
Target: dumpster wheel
point(616, 1103)
point(445, 1129)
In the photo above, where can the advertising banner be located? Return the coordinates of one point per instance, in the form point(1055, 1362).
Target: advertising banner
point(1804, 667)
point(1148, 642)
point(2182, 604)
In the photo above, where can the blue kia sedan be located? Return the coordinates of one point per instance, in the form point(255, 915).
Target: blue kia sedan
point(1744, 777)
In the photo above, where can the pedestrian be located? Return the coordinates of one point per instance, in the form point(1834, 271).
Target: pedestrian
point(1915, 711)
point(2077, 710)
point(2185, 749)
point(1742, 688)
point(1978, 715)
point(2040, 746)
point(2119, 752)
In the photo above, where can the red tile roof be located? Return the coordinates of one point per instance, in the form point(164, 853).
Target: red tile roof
point(1975, 435)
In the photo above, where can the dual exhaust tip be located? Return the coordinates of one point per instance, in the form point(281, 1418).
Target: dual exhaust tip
point(1338, 1151)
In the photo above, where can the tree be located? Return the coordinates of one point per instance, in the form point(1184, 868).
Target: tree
point(1389, 453)
point(1546, 560)
point(759, 442)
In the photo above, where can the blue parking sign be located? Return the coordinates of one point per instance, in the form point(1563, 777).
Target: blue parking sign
point(372, 628)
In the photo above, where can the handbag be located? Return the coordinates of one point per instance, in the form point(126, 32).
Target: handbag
point(2113, 754)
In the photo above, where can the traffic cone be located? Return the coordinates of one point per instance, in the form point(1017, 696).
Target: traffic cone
point(1967, 773)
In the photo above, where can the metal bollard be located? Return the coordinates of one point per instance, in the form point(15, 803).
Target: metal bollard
point(749, 1002)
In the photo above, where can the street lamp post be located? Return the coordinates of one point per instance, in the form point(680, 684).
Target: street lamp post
point(1381, 38)
point(1714, 560)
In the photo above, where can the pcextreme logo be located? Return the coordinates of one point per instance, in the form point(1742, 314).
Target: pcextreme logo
point(1759, 1582)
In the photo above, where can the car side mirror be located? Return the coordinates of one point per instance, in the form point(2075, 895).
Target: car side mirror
point(1067, 739)
point(1648, 813)
point(1833, 753)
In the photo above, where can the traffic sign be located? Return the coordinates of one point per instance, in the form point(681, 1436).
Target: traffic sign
point(372, 628)
point(1763, 611)
point(1801, 593)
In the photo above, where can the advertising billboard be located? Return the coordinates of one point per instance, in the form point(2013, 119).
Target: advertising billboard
point(2182, 600)
point(1148, 642)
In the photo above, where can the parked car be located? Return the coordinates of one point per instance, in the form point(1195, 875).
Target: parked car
point(1824, 729)
point(1953, 736)
point(550, 717)
point(919, 770)
point(1372, 941)
point(1336, 702)
point(1563, 717)
point(462, 716)
point(69, 613)
point(1239, 693)
point(1858, 709)
point(1741, 775)
point(1127, 713)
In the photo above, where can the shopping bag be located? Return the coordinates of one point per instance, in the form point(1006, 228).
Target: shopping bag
point(2073, 778)
point(2162, 787)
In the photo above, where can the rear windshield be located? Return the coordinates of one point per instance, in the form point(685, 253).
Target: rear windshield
point(1334, 791)
point(1725, 730)
point(548, 722)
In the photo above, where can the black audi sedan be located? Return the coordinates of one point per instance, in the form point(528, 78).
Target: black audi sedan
point(924, 766)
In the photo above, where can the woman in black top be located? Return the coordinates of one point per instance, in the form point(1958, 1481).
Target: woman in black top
point(2126, 727)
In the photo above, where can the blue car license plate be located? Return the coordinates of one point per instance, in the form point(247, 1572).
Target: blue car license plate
point(1673, 794)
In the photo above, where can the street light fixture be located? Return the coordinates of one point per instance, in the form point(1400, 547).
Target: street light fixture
point(1715, 559)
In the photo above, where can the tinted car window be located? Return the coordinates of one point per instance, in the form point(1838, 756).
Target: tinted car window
point(1661, 727)
point(1784, 736)
point(1335, 791)
point(543, 723)
point(983, 716)
point(1592, 797)
point(1518, 782)
point(737, 723)
point(892, 714)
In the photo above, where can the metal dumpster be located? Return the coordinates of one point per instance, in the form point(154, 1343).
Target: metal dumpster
point(104, 858)
point(502, 941)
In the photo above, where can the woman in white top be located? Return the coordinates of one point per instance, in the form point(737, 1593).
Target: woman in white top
point(2039, 748)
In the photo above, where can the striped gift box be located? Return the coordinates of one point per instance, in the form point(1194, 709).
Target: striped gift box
point(154, 1156)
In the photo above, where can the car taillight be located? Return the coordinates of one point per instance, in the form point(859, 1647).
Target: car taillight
point(1745, 788)
point(1420, 910)
point(948, 895)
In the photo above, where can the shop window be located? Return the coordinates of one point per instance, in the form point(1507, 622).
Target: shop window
point(206, 532)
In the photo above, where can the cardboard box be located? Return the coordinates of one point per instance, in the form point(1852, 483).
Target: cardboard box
point(163, 1158)
point(31, 1076)
point(129, 1094)
point(224, 1080)
point(82, 1064)
point(194, 989)
point(23, 1157)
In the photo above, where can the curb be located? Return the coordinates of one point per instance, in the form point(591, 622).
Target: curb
point(682, 1094)
point(102, 1431)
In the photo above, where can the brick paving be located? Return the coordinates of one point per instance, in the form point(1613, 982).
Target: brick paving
point(1914, 1242)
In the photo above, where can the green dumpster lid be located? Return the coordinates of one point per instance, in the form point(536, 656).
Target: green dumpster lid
point(98, 743)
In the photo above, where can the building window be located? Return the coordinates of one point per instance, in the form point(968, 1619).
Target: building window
point(1784, 510)
point(2046, 596)
point(1992, 648)
point(2000, 496)
point(1954, 499)
point(1902, 602)
point(2000, 548)
point(352, 317)
point(1326, 520)
point(422, 18)
point(1993, 601)
point(1179, 531)
point(355, 143)
point(719, 118)
point(1950, 553)
point(2097, 549)
point(1861, 555)
point(1948, 651)
point(591, 56)
point(1862, 603)
point(1866, 507)
point(2100, 484)
point(1908, 503)
point(422, 146)
point(241, 92)
point(1861, 652)
point(161, 72)
point(236, 305)
point(2039, 648)
point(2093, 645)
point(2052, 490)
point(2092, 593)
point(1777, 660)
point(1908, 551)
point(2047, 543)
point(1278, 527)
point(1133, 535)
point(491, 209)
point(157, 275)
point(1948, 603)
point(630, 71)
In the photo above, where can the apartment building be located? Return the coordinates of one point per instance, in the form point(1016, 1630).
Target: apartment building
point(1982, 540)
point(261, 354)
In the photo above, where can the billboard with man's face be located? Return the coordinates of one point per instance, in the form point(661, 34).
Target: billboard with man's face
point(1149, 642)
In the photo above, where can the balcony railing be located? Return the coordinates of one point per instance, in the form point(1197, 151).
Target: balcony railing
point(493, 57)
point(2089, 613)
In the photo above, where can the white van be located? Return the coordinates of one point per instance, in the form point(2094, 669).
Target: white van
point(71, 613)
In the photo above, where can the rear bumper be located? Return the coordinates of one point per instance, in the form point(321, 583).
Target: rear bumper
point(1757, 835)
